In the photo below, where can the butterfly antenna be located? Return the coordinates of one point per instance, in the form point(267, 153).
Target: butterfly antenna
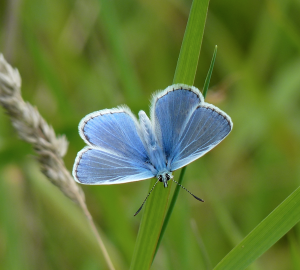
point(188, 191)
point(146, 199)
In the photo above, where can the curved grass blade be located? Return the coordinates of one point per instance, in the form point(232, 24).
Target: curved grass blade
point(208, 76)
point(265, 235)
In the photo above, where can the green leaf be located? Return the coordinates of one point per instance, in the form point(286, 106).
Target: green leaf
point(266, 234)
point(156, 206)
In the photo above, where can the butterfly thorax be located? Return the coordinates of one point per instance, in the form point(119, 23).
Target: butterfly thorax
point(153, 148)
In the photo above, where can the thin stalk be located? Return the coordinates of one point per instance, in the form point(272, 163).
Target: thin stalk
point(96, 233)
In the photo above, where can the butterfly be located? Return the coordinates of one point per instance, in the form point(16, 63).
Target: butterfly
point(121, 148)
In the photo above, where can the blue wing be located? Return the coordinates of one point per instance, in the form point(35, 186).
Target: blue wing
point(170, 110)
point(97, 167)
point(116, 152)
point(206, 128)
point(115, 130)
point(188, 126)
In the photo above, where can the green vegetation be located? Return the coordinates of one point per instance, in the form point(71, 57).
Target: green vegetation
point(76, 57)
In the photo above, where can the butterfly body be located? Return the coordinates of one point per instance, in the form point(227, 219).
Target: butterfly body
point(121, 149)
point(155, 153)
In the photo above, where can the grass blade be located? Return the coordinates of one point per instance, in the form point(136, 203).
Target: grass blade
point(156, 206)
point(266, 234)
point(207, 79)
point(176, 192)
point(191, 45)
point(170, 210)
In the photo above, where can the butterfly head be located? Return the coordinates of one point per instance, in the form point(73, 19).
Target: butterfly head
point(164, 177)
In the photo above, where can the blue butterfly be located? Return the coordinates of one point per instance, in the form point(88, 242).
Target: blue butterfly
point(121, 148)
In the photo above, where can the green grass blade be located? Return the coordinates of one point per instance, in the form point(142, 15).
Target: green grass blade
point(150, 227)
point(170, 210)
point(155, 208)
point(207, 80)
point(266, 234)
point(294, 250)
point(177, 189)
point(190, 49)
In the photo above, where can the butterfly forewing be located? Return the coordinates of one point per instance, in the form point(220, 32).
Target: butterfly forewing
point(114, 130)
point(171, 110)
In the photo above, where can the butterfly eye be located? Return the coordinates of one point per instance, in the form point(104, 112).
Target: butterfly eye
point(160, 178)
point(168, 177)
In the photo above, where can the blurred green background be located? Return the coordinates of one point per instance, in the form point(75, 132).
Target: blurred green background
point(76, 57)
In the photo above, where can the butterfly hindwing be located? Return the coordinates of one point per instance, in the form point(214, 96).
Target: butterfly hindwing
point(96, 167)
point(206, 128)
